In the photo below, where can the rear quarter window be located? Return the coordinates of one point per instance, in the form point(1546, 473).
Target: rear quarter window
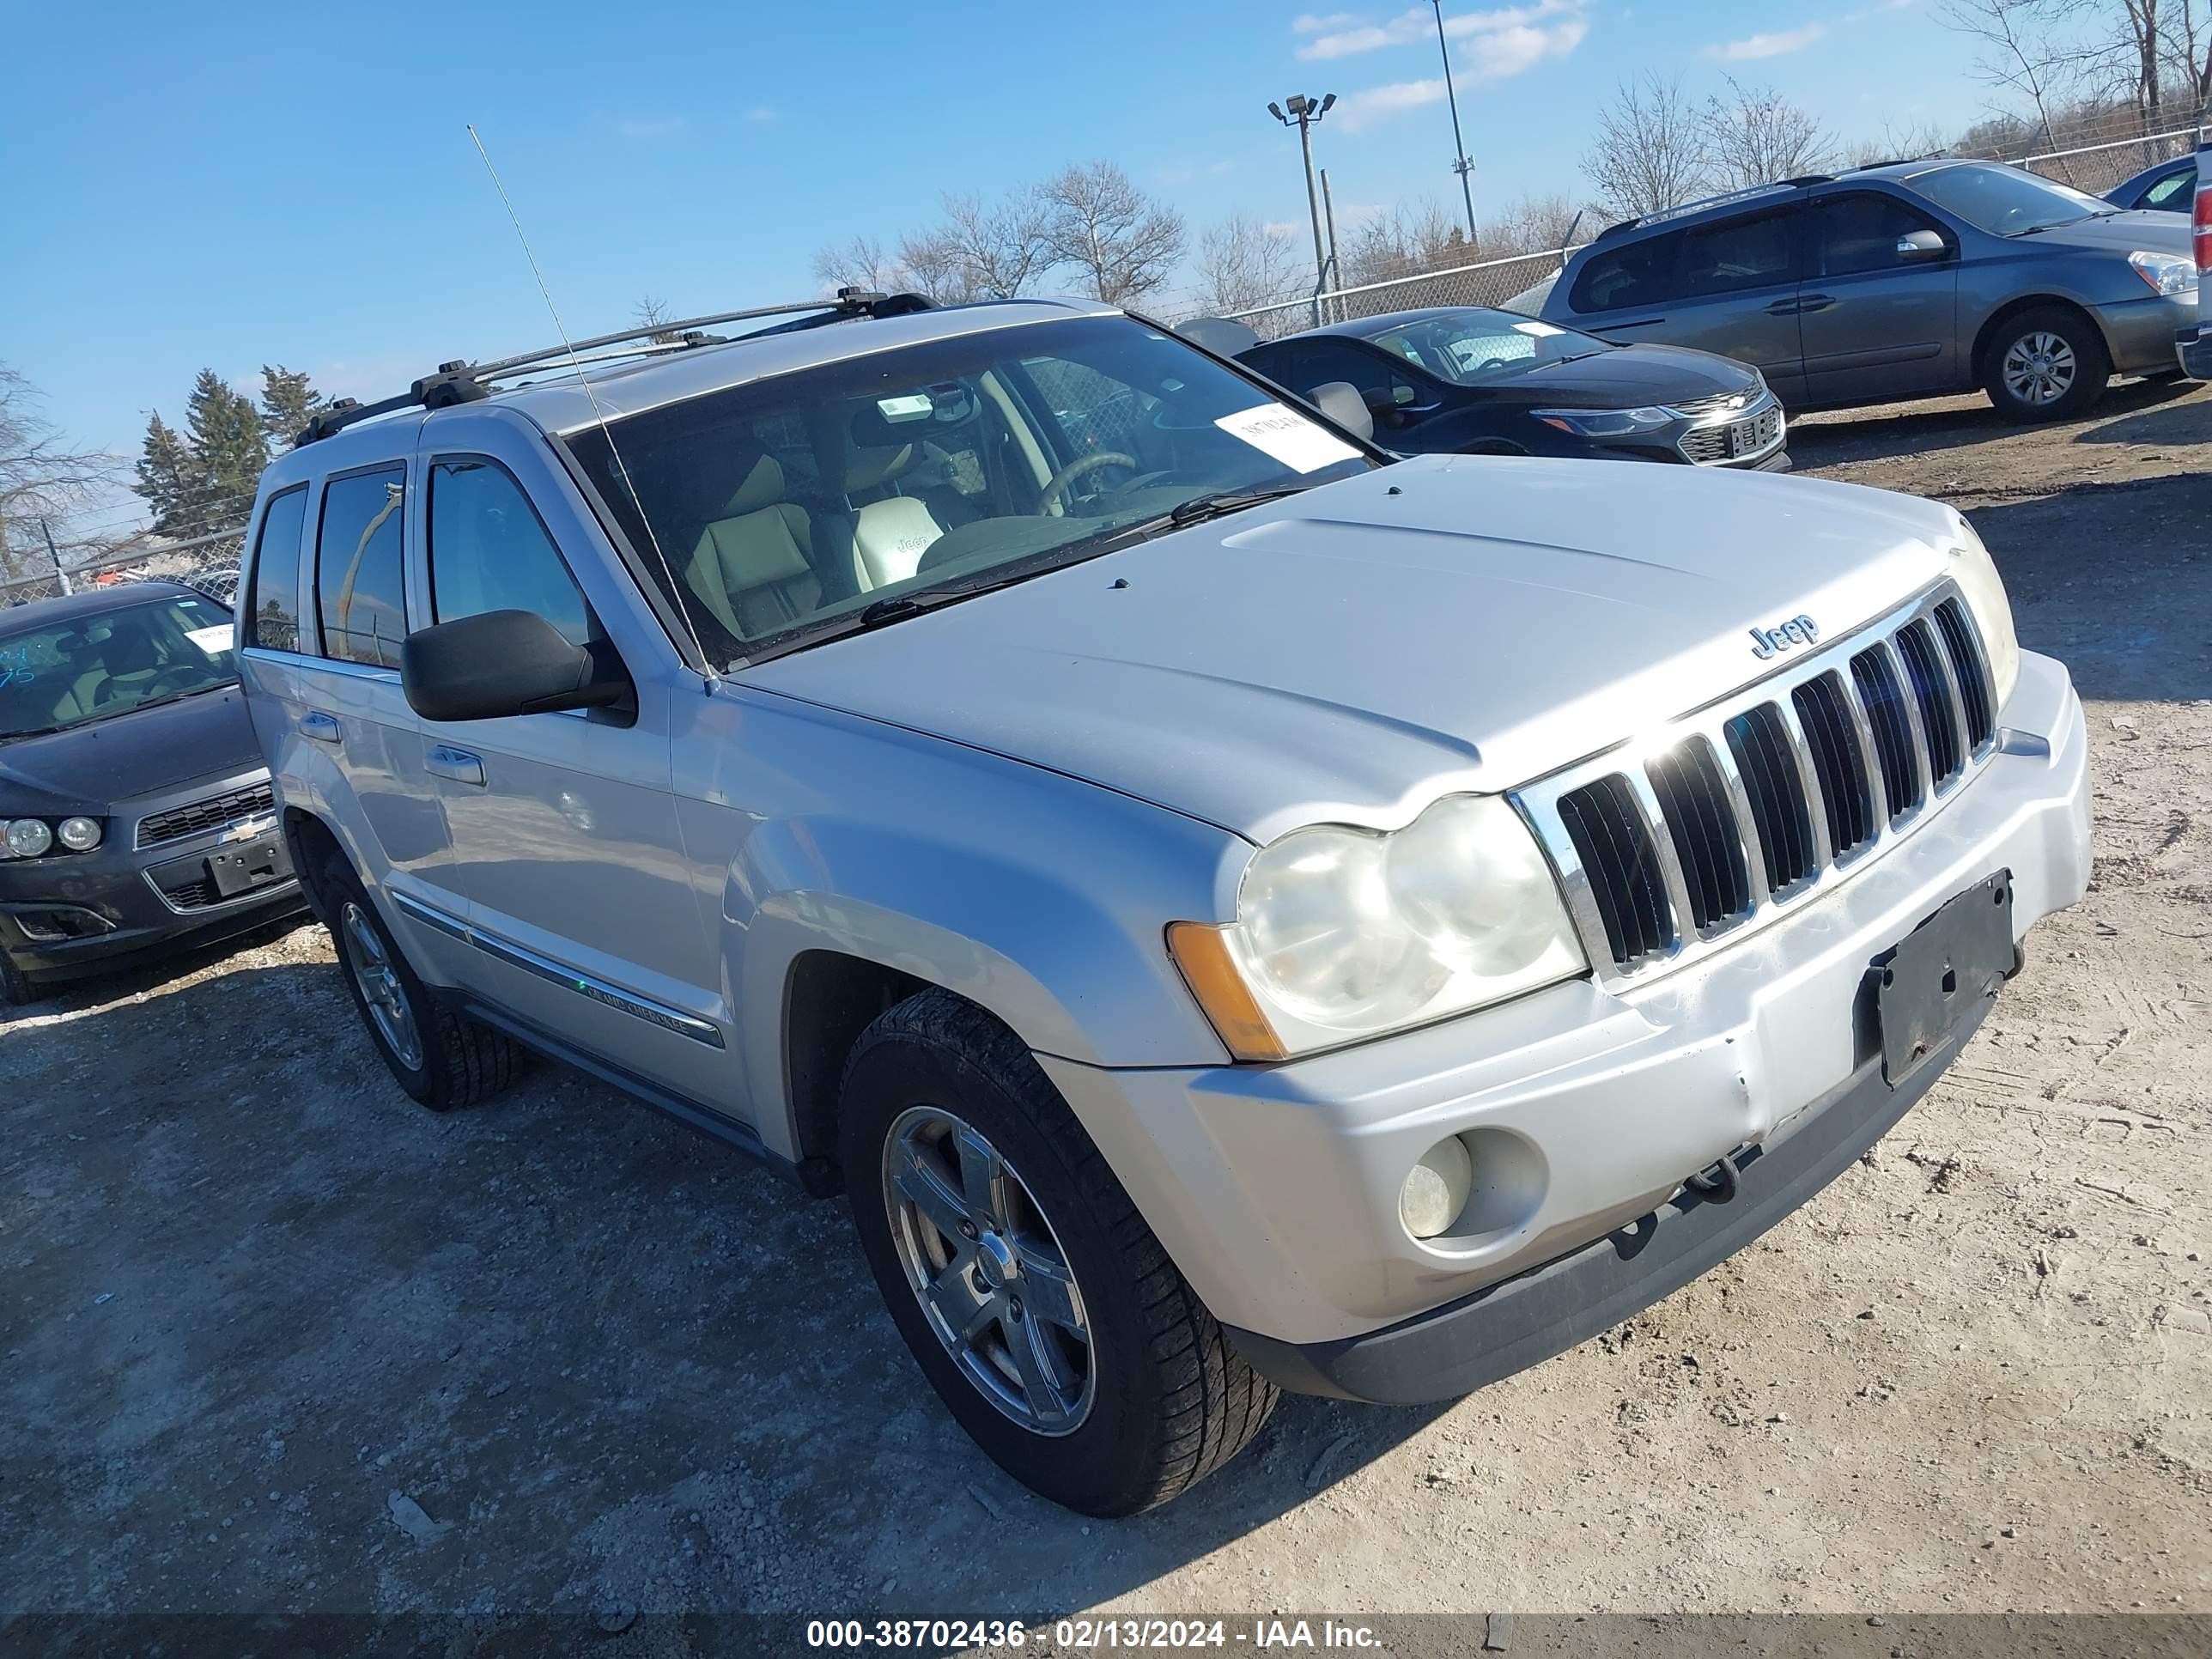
point(272, 603)
point(1638, 273)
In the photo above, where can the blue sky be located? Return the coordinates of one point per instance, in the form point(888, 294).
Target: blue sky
point(228, 185)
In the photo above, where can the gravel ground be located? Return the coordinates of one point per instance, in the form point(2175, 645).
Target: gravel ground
point(277, 1338)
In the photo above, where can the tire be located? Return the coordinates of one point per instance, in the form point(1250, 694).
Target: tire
point(2047, 364)
point(452, 1061)
point(1155, 1399)
point(15, 990)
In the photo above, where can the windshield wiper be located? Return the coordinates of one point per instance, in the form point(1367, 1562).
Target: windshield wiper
point(154, 703)
point(1221, 504)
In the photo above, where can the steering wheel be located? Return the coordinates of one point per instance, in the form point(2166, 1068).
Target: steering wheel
point(1490, 362)
point(1053, 500)
point(168, 680)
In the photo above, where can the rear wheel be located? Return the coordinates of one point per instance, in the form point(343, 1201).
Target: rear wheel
point(1036, 1301)
point(2048, 364)
point(442, 1059)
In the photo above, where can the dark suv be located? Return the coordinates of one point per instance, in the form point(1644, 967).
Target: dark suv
point(1912, 279)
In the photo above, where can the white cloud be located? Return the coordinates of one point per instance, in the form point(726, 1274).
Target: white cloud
point(1419, 25)
point(1282, 228)
point(762, 112)
point(1308, 23)
point(1755, 47)
point(1508, 52)
point(1360, 109)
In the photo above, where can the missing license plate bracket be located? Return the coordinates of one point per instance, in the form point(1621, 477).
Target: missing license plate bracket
point(1940, 972)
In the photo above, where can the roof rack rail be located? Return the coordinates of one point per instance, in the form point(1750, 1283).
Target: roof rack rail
point(1726, 198)
point(462, 382)
point(1896, 161)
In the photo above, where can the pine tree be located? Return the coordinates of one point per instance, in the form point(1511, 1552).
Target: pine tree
point(229, 450)
point(288, 403)
point(165, 474)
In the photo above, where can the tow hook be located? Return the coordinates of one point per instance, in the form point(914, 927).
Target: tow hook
point(1718, 1184)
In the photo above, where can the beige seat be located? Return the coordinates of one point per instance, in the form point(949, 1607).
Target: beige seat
point(883, 541)
point(753, 567)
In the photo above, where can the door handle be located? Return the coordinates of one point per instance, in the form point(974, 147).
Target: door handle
point(1814, 301)
point(1785, 307)
point(323, 728)
point(456, 764)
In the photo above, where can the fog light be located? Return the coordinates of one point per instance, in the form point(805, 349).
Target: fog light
point(79, 834)
point(1436, 1188)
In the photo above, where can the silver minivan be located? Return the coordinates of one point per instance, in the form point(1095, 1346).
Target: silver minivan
point(1914, 279)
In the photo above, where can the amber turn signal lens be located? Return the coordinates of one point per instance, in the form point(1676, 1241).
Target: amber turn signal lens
point(1201, 953)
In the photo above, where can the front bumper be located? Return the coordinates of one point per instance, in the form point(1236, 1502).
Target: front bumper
point(1275, 1188)
point(2140, 333)
point(65, 915)
point(2193, 346)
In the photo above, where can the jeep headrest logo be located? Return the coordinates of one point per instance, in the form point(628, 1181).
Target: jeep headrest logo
point(1771, 641)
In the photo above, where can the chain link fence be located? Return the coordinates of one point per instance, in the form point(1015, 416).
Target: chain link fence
point(1486, 282)
point(2095, 154)
point(209, 563)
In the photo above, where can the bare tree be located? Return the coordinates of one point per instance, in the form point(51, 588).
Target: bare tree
point(2188, 45)
point(1650, 152)
point(1754, 135)
point(1096, 220)
point(1898, 141)
point(1408, 239)
point(1531, 224)
point(1241, 263)
point(2023, 49)
point(41, 478)
point(651, 314)
point(859, 262)
point(1003, 250)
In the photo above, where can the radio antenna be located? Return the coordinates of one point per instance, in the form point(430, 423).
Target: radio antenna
point(606, 431)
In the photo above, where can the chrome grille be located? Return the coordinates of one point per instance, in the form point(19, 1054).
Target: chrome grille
point(211, 812)
point(1740, 812)
point(1732, 440)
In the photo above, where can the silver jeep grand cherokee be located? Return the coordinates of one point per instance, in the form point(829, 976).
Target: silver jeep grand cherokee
point(1230, 914)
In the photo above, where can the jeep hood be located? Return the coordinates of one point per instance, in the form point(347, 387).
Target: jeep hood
point(1452, 623)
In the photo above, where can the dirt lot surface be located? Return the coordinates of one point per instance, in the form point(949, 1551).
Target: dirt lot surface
point(275, 1338)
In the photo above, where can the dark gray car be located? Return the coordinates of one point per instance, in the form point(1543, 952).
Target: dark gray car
point(1911, 280)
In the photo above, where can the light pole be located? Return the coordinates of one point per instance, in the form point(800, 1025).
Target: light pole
point(1460, 162)
point(1304, 112)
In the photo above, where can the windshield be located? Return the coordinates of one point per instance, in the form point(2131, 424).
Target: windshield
point(1475, 345)
point(787, 506)
point(94, 667)
point(2005, 201)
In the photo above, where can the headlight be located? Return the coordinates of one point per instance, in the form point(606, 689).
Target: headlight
point(2167, 273)
point(79, 834)
point(29, 838)
point(1604, 422)
point(1977, 579)
point(1343, 933)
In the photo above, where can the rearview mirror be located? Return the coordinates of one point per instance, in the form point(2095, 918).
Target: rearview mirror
point(502, 663)
point(1340, 401)
point(1917, 246)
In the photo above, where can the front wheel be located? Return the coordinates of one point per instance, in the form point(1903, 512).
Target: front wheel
point(441, 1058)
point(2047, 365)
point(1037, 1302)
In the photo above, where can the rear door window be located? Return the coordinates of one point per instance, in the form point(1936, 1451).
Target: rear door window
point(359, 594)
point(272, 604)
point(1756, 251)
point(490, 551)
point(2172, 192)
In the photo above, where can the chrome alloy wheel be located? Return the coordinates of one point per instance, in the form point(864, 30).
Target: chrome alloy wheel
point(2039, 368)
point(380, 988)
point(991, 1280)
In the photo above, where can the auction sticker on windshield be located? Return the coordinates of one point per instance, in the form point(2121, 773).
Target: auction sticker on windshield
point(214, 641)
point(1285, 435)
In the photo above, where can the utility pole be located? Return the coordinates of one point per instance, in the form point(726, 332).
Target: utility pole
point(55, 554)
point(1336, 266)
point(1462, 164)
point(1304, 112)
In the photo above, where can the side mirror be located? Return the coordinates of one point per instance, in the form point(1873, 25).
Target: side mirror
point(1918, 247)
point(502, 663)
point(1340, 401)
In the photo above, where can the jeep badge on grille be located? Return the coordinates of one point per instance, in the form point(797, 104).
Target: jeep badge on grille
point(1769, 642)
